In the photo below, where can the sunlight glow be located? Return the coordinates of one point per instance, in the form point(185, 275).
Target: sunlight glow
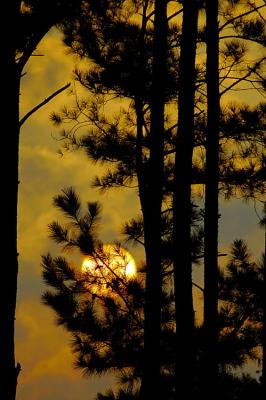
point(118, 260)
point(88, 264)
point(131, 269)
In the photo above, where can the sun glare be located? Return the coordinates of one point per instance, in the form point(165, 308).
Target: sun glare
point(88, 264)
point(120, 261)
point(131, 269)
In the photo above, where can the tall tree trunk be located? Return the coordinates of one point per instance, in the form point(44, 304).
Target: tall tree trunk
point(10, 71)
point(10, 142)
point(263, 377)
point(151, 207)
point(211, 201)
point(182, 204)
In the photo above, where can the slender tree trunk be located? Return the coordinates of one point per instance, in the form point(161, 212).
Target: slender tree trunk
point(10, 143)
point(211, 202)
point(182, 204)
point(10, 70)
point(152, 202)
point(263, 377)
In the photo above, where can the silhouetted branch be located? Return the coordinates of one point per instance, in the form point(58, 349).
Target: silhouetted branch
point(240, 37)
point(45, 101)
point(230, 21)
point(198, 287)
point(251, 70)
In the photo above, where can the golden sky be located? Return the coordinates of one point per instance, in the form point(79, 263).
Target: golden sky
point(43, 348)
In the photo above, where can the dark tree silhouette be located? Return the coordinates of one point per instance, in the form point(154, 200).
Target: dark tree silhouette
point(32, 19)
point(240, 295)
point(103, 308)
point(8, 68)
point(121, 71)
point(263, 377)
point(182, 245)
point(236, 51)
point(211, 199)
point(152, 208)
point(115, 143)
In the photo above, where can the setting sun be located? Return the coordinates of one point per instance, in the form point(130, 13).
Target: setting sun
point(131, 268)
point(119, 260)
point(87, 264)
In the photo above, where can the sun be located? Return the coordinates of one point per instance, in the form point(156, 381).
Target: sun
point(111, 258)
point(88, 264)
point(131, 269)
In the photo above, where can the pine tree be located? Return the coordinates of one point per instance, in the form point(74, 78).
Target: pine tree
point(211, 199)
point(103, 308)
point(116, 143)
point(119, 75)
point(240, 310)
point(182, 203)
point(100, 305)
point(32, 20)
point(263, 267)
point(152, 208)
point(244, 30)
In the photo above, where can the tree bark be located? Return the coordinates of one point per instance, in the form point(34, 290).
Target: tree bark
point(151, 207)
point(185, 353)
point(211, 202)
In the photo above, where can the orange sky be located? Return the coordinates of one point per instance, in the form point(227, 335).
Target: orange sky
point(43, 348)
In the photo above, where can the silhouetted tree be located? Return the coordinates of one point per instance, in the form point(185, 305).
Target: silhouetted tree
point(152, 208)
point(8, 70)
point(103, 308)
point(30, 21)
point(245, 30)
point(121, 69)
point(182, 204)
point(263, 377)
point(100, 305)
point(115, 143)
point(240, 311)
point(240, 387)
point(211, 199)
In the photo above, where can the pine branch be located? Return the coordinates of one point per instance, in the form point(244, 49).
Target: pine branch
point(251, 70)
point(45, 101)
point(68, 202)
point(254, 40)
point(230, 21)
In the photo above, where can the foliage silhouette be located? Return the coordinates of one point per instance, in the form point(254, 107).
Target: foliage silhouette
point(32, 19)
point(103, 308)
point(124, 142)
point(100, 306)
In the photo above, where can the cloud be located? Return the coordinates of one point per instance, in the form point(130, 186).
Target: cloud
point(47, 362)
point(47, 70)
point(50, 387)
point(240, 221)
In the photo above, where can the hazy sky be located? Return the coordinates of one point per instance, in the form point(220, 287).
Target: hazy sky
point(43, 348)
